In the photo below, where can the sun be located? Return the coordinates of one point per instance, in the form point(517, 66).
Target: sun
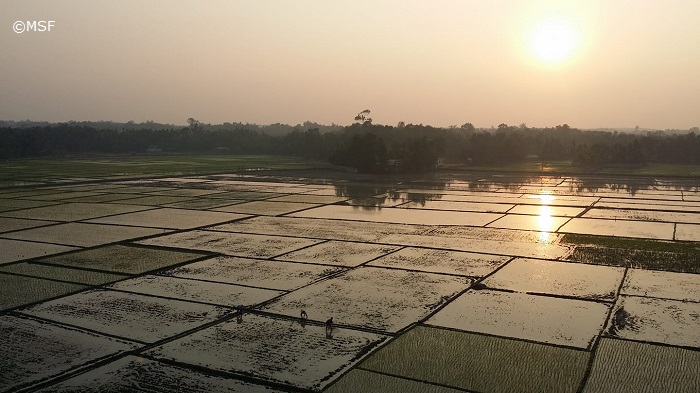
point(553, 42)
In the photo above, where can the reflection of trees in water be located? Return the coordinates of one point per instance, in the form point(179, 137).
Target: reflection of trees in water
point(367, 197)
point(632, 185)
point(475, 185)
point(372, 196)
point(421, 197)
point(511, 183)
point(375, 196)
point(629, 185)
point(689, 185)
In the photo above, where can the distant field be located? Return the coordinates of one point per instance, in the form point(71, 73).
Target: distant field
point(51, 170)
point(554, 167)
point(656, 170)
point(17, 172)
point(549, 167)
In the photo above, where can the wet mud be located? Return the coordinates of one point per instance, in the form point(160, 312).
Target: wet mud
point(277, 350)
point(31, 350)
point(235, 244)
point(398, 298)
point(131, 316)
point(568, 322)
point(277, 275)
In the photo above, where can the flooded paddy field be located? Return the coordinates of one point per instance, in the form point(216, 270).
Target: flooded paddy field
point(324, 281)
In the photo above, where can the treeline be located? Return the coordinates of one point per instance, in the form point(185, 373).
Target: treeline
point(271, 129)
point(368, 147)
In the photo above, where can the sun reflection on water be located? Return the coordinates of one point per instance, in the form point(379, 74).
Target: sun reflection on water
point(545, 222)
point(545, 199)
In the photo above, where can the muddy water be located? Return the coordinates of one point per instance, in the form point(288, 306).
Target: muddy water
point(558, 278)
point(543, 249)
point(656, 320)
point(266, 208)
point(63, 274)
point(136, 317)
point(131, 372)
point(397, 298)
point(339, 253)
point(547, 210)
point(322, 228)
point(647, 206)
point(321, 199)
point(442, 261)
point(82, 234)
point(666, 285)
point(75, 211)
point(199, 291)
point(461, 206)
point(439, 260)
point(32, 350)
point(236, 244)
point(544, 222)
point(15, 204)
point(425, 197)
point(643, 215)
point(170, 218)
point(123, 259)
point(277, 350)
point(15, 250)
point(690, 232)
point(558, 200)
point(13, 224)
point(399, 216)
point(573, 323)
point(639, 229)
point(255, 272)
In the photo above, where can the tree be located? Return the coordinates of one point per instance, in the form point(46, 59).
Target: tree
point(194, 124)
point(363, 118)
point(421, 155)
point(468, 127)
point(367, 153)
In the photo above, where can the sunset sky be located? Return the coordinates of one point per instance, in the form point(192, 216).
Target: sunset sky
point(592, 63)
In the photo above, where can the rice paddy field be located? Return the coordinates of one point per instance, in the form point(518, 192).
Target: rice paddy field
point(319, 281)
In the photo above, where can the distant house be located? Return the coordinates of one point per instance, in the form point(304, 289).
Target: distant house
point(394, 163)
point(153, 149)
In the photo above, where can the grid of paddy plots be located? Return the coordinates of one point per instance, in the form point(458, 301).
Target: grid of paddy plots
point(420, 281)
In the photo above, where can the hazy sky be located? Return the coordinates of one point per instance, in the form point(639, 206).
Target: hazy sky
point(620, 63)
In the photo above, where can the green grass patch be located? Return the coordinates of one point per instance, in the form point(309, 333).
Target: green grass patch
point(100, 167)
point(637, 253)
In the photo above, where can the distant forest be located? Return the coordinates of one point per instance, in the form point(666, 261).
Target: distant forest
point(367, 147)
